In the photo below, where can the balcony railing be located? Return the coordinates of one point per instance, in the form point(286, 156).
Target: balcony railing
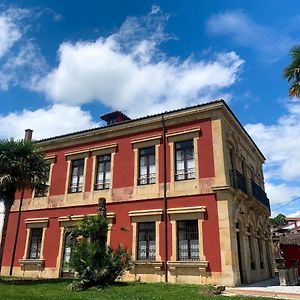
point(238, 180)
point(260, 194)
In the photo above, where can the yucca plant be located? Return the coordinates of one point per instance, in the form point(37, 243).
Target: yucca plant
point(22, 166)
point(92, 261)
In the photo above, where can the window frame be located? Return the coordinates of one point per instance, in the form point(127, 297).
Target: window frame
point(103, 185)
point(148, 235)
point(150, 215)
point(179, 232)
point(182, 214)
point(37, 241)
point(181, 136)
point(147, 156)
point(72, 189)
point(185, 160)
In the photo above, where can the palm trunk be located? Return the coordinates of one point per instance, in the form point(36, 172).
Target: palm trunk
point(7, 207)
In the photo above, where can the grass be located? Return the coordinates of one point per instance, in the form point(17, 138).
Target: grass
point(57, 290)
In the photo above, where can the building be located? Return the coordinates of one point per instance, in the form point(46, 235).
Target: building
point(286, 243)
point(212, 194)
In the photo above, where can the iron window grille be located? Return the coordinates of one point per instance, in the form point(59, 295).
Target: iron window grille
point(187, 240)
point(147, 166)
point(76, 182)
point(184, 160)
point(146, 247)
point(103, 172)
point(35, 243)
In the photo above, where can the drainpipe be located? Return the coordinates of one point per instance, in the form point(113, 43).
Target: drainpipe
point(27, 137)
point(165, 200)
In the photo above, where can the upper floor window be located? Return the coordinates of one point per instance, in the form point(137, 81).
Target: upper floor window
point(103, 172)
point(146, 241)
point(184, 160)
point(187, 240)
point(47, 175)
point(35, 242)
point(77, 170)
point(147, 168)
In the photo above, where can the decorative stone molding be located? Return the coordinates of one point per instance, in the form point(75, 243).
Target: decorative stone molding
point(187, 213)
point(201, 265)
point(150, 215)
point(32, 264)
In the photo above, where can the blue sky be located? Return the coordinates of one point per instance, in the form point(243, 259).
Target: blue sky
point(63, 63)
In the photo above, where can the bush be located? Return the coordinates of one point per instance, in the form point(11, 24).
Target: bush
point(93, 262)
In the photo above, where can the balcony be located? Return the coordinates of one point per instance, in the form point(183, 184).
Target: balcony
point(260, 194)
point(238, 180)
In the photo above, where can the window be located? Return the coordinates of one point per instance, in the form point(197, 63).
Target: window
point(252, 262)
point(187, 240)
point(76, 182)
point(35, 242)
point(103, 172)
point(184, 160)
point(146, 248)
point(47, 175)
point(147, 168)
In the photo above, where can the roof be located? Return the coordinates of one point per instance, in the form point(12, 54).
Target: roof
point(220, 101)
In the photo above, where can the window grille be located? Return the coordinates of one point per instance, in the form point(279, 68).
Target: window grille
point(188, 240)
point(146, 248)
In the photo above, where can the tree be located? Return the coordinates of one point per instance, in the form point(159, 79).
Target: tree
point(278, 220)
point(93, 262)
point(292, 72)
point(22, 166)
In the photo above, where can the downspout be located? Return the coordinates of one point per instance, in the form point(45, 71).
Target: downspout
point(165, 200)
point(27, 137)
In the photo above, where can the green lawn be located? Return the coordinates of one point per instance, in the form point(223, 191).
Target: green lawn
point(31, 290)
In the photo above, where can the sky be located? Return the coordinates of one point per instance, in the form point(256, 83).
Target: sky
point(63, 64)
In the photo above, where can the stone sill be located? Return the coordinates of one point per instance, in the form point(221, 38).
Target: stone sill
point(32, 262)
point(201, 265)
point(154, 264)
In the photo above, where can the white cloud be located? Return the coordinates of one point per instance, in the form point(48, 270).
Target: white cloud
point(127, 71)
point(281, 193)
point(295, 215)
point(280, 143)
point(21, 62)
point(10, 30)
point(244, 31)
point(56, 120)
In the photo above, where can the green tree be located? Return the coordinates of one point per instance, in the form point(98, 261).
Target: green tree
point(292, 72)
point(22, 166)
point(93, 262)
point(278, 220)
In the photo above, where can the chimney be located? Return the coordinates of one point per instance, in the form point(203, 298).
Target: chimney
point(28, 134)
point(114, 117)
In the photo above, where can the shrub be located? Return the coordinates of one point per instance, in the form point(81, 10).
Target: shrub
point(93, 262)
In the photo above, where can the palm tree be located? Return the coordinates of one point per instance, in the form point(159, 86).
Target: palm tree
point(292, 72)
point(22, 166)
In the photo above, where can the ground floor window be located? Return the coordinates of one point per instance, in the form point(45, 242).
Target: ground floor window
point(67, 253)
point(146, 246)
point(35, 243)
point(187, 240)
